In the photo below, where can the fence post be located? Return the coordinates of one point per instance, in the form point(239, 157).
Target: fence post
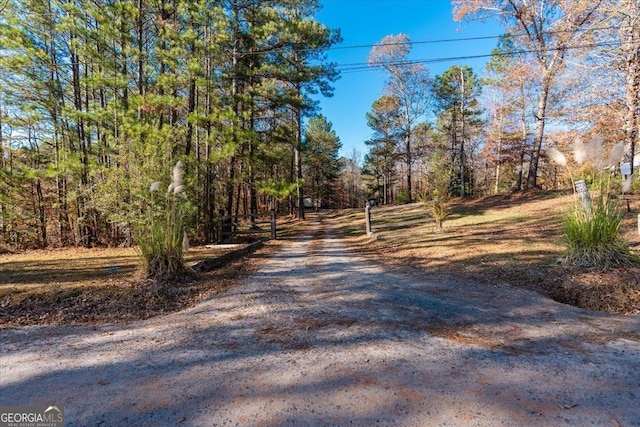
point(367, 216)
point(219, 226)
point(273, 225)
point(219, 230)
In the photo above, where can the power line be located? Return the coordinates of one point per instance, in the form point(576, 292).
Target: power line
point(358, 67)
point(435, 41)
point(362, 67)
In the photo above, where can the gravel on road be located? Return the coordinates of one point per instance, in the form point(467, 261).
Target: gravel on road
point(320, 337)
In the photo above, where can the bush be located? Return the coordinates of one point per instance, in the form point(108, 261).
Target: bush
point(402, 198)
point(593, 235)
point(592, 231)
point(438, 209)
point(162, 238)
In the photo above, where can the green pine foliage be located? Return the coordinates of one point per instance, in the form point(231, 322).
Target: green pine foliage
point(439, 209)
point(321, 160)
point(100, 98)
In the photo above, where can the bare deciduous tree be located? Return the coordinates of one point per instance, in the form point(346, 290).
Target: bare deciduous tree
point(549, 30)
point(410, 83)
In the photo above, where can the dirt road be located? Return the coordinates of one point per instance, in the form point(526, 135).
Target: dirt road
point(320, 336)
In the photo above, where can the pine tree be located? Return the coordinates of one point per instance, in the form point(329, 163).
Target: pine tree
point(457, 91)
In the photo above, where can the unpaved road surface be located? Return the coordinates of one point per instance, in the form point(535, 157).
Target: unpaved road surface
point(322, 337)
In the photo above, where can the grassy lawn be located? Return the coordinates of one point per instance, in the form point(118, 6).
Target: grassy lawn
point(514, 239)
point(72, 286)
point(34, 271)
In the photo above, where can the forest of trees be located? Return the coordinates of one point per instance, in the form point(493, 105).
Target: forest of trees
point(564, 71)
point(102, 98)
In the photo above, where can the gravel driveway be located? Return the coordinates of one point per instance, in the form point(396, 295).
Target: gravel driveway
point(320, 336)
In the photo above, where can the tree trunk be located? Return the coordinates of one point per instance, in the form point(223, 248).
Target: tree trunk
point(532, 179)
point(235, 90)
point(140, 29)
point(191, 107)
point(496, 189)
point(409, 161)
point(40, 213)
point(84, 229)
point(463, 193)
point(523, 145)
point(298, 168)
point(631, 44)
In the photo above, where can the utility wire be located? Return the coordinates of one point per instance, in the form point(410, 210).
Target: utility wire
point(363, 66)
point(360, 67)
point(435, 41)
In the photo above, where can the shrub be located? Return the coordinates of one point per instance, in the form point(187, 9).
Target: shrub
point(592, 231)
point(593, 236)
point(162, 237)
point(402, 198)
point(438, 209)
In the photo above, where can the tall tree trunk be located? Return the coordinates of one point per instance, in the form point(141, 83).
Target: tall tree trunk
point(40, 211)
point(409, 161)
point(523, 142)
point(84, 229)
point(496, 188)
point(298, 175)
point(2, 157)
point(463, 193)
point(191, 107)
point(235, 92)
point(631, 46)
point(253, 196)
point(454, 144)
point(141, 80)
point(532, 178)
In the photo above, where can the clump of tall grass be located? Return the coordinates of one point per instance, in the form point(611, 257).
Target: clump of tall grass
point(162, 237)
point(592, 226)
point(593, 237)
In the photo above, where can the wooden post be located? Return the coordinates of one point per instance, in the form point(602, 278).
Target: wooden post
point(219, 226)
point(273, 225)
point(583, 192)
point(367, 216)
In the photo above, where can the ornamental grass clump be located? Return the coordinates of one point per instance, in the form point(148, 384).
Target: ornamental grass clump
point(592, 226)
point(162, 238)
point(593, 237)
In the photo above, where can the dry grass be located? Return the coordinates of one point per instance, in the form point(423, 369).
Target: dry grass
point(72, 286)
point(34, 271)
point(513, 239)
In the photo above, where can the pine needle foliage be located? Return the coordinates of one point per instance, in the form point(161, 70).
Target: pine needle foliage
point(438, 210)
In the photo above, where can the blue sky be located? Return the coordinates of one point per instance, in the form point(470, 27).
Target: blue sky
point(366, 22)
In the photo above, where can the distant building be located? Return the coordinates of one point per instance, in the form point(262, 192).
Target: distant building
point(311, 203)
